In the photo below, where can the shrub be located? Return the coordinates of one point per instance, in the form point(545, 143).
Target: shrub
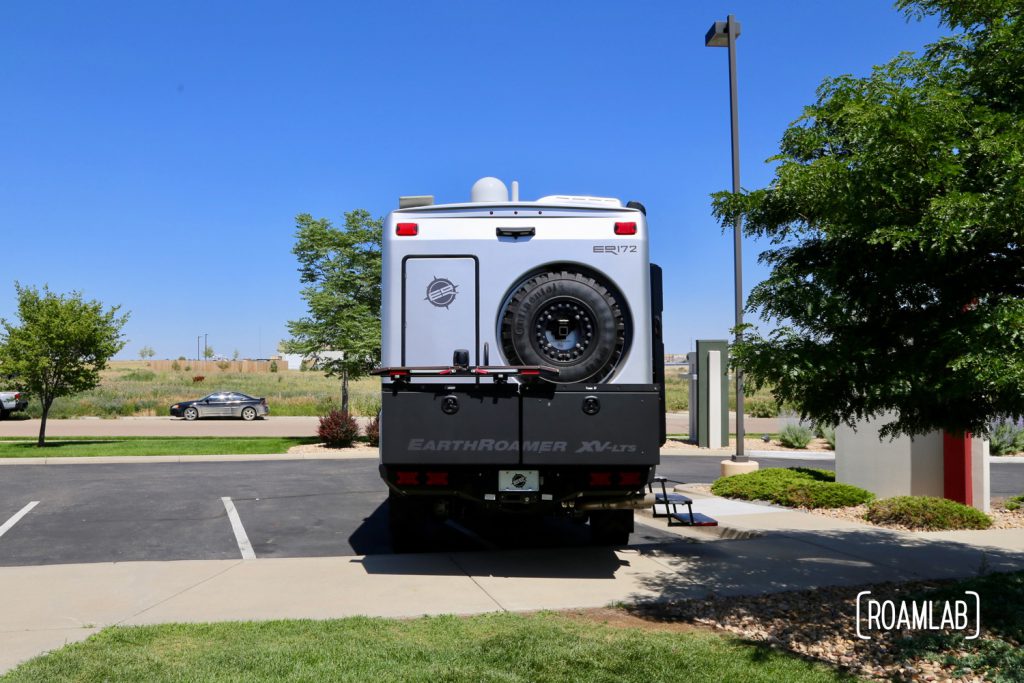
point(337, 429)
point(175, 366)
point(926, 513)
point(188, 368)
point(373, 431)
point(198, 378)
point(815, 473)
point(822, 494)
point(1005, 437)
point(795, 436)
point(140, 376)
point(796, 486)
point(761, 407)
point(1013, 503)
point(829, 434)
point(223, 365)
point(273, 366)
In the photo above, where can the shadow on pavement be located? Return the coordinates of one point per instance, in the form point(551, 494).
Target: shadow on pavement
point(797, 560)
point(516, 546)
point(560, 563)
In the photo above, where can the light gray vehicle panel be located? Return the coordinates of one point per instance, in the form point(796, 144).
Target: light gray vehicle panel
point(439, 311)
point(582, 237)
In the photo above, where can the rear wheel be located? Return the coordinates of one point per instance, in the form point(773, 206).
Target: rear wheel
point(407, 518)
point(4, 414)
point(248, 413)
point(191, 413)
point(568, 320)
point(611, 527)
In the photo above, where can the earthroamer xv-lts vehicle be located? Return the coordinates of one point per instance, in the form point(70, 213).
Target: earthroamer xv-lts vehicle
point(522, 361)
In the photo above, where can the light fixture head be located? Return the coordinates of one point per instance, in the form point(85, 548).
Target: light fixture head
point(718, 34)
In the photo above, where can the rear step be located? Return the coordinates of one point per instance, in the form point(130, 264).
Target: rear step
point(669, 503)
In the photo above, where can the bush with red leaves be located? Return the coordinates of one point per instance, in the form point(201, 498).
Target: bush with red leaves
point(373, 430)
point(337, 429)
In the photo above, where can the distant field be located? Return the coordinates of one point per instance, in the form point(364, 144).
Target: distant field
point(677, 394)
point(130, 388)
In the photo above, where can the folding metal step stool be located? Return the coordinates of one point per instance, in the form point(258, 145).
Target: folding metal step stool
point(672, 503)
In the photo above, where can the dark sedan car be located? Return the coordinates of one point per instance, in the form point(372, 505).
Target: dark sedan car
point(222, 404)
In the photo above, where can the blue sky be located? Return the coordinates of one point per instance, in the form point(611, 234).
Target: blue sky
point(155, 154)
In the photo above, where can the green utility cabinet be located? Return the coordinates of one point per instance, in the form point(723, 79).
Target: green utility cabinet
point(709, 393)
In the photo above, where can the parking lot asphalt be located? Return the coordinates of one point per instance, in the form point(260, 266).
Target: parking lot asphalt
point(291, 508)
point(117, 513)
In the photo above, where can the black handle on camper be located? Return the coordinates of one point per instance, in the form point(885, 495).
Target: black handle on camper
point(516, 232)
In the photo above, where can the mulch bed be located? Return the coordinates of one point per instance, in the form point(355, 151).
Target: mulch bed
point(818, 624)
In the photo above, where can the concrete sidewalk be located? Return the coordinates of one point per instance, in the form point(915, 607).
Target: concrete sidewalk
point(757, 549)
point(274, 425)
point(364, 451)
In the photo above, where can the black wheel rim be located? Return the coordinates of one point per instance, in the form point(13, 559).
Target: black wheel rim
point(563, 330)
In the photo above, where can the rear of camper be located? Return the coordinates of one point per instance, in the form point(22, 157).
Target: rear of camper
point(522, 360)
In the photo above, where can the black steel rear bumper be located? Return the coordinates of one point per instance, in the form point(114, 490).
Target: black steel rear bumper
point(538, 424)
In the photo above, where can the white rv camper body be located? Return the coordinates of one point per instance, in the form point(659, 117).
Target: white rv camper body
point(523, 369)
point(458, 244)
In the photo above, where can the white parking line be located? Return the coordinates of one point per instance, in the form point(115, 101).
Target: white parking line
point(236, 525)
point(17, 517)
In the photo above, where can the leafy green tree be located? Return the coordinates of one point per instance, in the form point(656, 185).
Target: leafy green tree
point(146, 352)
point(60, 344)
point(208, 352)
point(896, 223)
point(340, 268)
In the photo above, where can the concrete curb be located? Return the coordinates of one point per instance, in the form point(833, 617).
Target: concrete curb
point(349, 454)
point(783, 455)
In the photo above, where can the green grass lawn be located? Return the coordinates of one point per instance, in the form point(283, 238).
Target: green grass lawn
point(495, 647)
point(144, 445)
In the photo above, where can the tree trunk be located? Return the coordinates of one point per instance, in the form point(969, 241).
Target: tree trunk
point(42, 423)
point(344, 391)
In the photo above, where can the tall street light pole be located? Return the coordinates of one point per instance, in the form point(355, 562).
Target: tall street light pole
point(206, 345)
point(198, 337)
point(724, 34)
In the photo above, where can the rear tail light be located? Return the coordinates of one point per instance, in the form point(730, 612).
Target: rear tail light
point(629, 478)
point(625, 228)
point(600, 478)
point(437, 478)
point(407, 230)
point(404, 478)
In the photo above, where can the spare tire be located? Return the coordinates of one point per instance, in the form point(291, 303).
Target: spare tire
point(568, 320)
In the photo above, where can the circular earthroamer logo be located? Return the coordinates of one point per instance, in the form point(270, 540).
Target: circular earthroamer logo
point(519, 480)
point(441, 292)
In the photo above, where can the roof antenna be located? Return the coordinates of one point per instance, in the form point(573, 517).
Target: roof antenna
point(515, 190)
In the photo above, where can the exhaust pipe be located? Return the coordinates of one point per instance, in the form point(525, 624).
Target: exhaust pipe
point(635, 503)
